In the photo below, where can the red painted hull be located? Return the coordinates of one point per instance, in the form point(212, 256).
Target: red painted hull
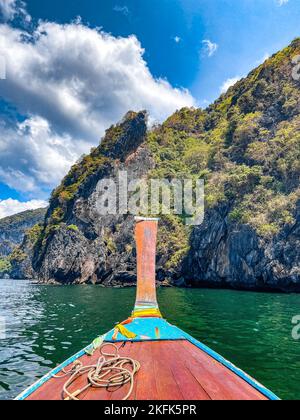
point(170, 370)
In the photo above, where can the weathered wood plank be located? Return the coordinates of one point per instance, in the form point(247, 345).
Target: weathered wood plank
point(170, 370)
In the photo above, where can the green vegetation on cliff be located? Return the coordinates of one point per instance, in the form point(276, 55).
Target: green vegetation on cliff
point(13, 230)
point(245, 146)
point(98, 163)
point(21, 218)
point(5, 266)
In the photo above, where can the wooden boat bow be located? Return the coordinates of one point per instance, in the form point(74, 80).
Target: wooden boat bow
point(146, 300)
point(173, 364)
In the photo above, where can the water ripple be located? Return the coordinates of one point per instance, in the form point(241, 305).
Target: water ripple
point(47, 324)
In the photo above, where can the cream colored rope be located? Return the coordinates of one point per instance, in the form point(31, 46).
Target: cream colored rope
point(111, 371)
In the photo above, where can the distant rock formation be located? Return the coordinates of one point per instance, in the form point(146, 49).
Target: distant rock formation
point(13, 228)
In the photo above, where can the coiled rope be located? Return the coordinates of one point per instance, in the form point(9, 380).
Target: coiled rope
point(111, 371)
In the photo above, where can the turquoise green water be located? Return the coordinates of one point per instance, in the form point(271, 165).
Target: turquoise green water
point(46, 324)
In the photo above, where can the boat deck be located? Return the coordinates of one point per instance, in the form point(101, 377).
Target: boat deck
point(170, 370)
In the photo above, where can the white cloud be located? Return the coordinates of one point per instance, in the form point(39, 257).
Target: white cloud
point(11, 8)
point(8, 8)
point(228, 83)
point(10, 207)
point(209, 47)
point(203, 103)
point(282, 2)
point(71, 83)
point(33, 157)
point(122, 9)
point(263, 59)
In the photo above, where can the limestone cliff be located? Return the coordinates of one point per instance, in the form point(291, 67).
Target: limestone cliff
point(12, 232)
point(246, 146)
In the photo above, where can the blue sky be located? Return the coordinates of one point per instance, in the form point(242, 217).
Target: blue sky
point(245, 31)
point(198, 45)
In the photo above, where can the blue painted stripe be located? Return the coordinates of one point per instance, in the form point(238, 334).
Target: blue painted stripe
point(146, 326)
point(256, 385)
point(29, 391)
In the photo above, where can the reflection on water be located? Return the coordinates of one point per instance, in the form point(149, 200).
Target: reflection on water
point(47, 324)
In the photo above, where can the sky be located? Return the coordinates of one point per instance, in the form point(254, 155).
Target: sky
point(69, 69)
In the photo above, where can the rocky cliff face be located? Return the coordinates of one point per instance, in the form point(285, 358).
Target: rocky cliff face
point(13, 231)
point(78, 245)
point(13, 228)
point(226, 255)
point(246, 146)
